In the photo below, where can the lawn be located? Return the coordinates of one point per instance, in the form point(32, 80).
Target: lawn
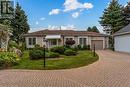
point(64, 62)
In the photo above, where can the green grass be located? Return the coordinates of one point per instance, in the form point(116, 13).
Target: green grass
point(81, 59)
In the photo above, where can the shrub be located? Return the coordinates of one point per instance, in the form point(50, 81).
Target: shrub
point(41, 48)
point(13, 44)
point(37, 47)
point(8, 59)
point(67, 47)
point(84, 47)
point(53, 55)
point(23, 46)
point(58, 49)
point(75, 48)
point(36, 54)
point(70, 42)
point(70, 52)
point(79, 47)
point(88, 47)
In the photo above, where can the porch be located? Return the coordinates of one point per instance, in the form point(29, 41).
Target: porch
point(54, 40)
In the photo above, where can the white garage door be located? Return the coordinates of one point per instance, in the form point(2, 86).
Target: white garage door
point(122, 43)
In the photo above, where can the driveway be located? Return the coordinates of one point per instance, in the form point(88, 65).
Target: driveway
point(112, 70)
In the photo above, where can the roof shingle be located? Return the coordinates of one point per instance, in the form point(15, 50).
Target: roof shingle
point(63, 32)
point(123, 30)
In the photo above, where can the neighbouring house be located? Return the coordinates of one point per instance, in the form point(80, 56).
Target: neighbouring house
point(122, 40)
point(59, 37)
point(4, 37)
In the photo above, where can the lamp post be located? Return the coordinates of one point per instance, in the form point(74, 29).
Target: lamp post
point(44, 56)
point(94, 54)
point(44, 47)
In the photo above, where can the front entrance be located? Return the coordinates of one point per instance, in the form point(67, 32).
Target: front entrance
point(98, 44)
point(54, 42)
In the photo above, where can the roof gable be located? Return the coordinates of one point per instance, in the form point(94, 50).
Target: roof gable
point(124, 30)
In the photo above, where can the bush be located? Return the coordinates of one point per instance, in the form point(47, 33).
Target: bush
point(13, 44)
point(70, 52)
point(58, 49)
point(37, 47)
point(88, 47)
point(84, 47)
point(53, 55)
point(23, 46)
point(8, 59)
point(36, 54)
point(41, 48)
point(79, 47)
point(75, 48)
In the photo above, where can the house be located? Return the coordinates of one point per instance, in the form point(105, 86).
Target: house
point(122, 40)
point(4, 37)
point(59, 37)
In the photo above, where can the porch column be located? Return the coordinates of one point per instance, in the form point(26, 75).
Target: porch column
point(57, 42)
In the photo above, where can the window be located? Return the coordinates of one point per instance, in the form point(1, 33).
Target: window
point(82, 41)
point(32, 41)
point(54, 42)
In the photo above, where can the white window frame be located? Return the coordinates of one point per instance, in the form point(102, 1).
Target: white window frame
point(32, 41)
point(82, 40)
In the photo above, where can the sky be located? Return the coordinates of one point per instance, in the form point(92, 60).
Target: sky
point(67, 14)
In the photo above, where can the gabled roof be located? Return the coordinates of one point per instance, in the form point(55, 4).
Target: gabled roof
point(124, 30)
point(63, 32)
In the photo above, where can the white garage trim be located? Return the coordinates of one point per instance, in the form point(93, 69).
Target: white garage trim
point(122, 43)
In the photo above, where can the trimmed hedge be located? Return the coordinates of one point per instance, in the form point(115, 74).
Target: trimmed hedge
point(58, 49)
point(39, 54)
point(53, 55)
point(70, 52)
point(36, 54)
point(37, 47)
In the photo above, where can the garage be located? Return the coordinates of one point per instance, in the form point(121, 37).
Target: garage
point(98, 44)
point(122, 40)
point(122, 43)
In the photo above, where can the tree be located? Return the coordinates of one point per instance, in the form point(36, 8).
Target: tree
point(19, 24)
point(113, 19)
point(126, 13)
point(89, 29)
point(94, 29)
point(70, 42)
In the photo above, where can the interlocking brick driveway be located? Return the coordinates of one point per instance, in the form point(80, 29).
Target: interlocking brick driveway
point(112, 70)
